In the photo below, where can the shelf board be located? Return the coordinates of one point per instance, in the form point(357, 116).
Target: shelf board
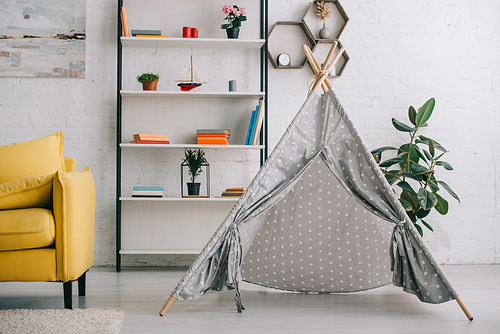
point(160, 251)
point(180, 199)
point(221, 43)
point(191, 94)
point(234, 147)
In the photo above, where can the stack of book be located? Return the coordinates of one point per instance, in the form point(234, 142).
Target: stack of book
point(147, 33)
point(140, 138)
point(255, 124)
point(140, 191)
point(233, 192)
point(212, 136)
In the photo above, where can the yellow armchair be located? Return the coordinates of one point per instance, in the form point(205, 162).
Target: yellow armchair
point(46, 219)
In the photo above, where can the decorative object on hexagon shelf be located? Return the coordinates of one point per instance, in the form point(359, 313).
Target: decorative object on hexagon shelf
point(234, 15)
point(288, 37)
point(323, 11)
point(337, 19)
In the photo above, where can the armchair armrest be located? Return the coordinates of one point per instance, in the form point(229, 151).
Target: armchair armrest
point(69, 164)
point(74, 213)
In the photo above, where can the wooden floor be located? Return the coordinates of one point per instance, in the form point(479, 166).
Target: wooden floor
point(141, 292)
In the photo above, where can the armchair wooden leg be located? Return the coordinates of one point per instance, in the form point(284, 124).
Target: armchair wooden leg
point(81, 285)
point(68, 295)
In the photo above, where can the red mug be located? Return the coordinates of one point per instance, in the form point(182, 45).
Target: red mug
point(186, 32)
point(194, 33)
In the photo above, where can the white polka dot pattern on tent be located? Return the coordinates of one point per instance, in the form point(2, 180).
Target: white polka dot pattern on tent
point(318, 239)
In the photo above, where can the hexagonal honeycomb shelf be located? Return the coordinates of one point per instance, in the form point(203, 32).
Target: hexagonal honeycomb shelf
point(336, 22)
point(288, 37)
point(320, 51)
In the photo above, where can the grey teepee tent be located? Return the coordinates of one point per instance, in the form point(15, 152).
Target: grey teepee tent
point(319, 216)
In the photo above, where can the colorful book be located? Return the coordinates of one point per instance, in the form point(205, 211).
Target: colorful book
point(212, 142)
point(136, 32)
point(216, 135)
point(258, 126)
point(150, 35)
point(213, 131)
point(150, 142)
point(236, 189)
point(148, 188)
point(147, 194)
point(123, 15)
point(250, 126)
point(142, 136)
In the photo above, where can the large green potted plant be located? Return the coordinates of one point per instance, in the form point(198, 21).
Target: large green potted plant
point(415, 163)
point(194, 159)
point(148, 80)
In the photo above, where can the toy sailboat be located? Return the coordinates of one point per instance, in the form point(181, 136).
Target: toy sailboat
point(190, 77)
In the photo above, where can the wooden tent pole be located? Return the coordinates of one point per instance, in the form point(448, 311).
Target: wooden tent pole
point(167, 305)
point(315, 66)
point(329, 56)
point(312, 61)
point(464, 308)
point(323, 76)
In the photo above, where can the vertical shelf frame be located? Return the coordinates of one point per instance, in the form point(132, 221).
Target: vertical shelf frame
point(119, 69)
point(264, 87)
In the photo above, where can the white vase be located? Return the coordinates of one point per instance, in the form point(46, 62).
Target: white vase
point(324, 32)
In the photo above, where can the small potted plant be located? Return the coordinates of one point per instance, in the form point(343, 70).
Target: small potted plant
point(148, 80)
point(194, 160)
point(234, 15)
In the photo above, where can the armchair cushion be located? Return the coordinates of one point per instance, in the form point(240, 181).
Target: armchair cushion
point(41, 156)
point(27, 192)
point(26, 229)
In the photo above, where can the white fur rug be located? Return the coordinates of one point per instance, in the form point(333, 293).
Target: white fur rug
point(107, 320)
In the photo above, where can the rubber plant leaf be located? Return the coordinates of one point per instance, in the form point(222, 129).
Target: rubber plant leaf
point(446, 165)
point(412, 113)
point(419, 169)
point(423, 213)
point(426, 199)
point(390, 162)
point(427, 225)
point(442, 205)
point(406, 205)
point(419, 229)
point(400, 126)
point(406, 186)
point(425, 112)
point(420, 154)
point(448, 189)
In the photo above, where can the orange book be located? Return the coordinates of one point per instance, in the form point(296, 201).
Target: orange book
point(236, 189)
point(213, 142)
point(124, 22)
point(141, 136)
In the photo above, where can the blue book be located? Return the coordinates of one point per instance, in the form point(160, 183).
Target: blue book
point(254, 125)
point(140, 188)
point(250, 126)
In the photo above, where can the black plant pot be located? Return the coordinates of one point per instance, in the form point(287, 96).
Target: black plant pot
point(232, 32)
point(193, 189)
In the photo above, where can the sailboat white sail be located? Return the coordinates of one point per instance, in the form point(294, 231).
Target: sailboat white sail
point(190, 77)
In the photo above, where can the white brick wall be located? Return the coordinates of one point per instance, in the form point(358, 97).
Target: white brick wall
point(402, 53)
